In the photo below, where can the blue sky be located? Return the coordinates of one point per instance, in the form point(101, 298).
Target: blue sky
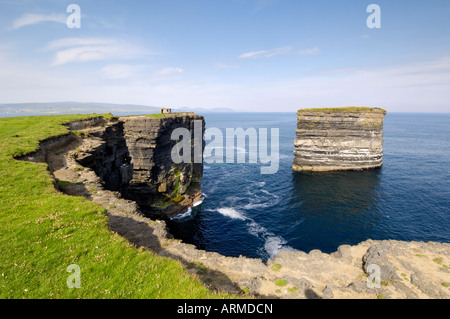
point(247, 55)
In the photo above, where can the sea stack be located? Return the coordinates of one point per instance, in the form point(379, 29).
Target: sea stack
point(335, 139)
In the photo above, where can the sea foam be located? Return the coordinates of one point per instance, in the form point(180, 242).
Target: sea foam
point(231, 213)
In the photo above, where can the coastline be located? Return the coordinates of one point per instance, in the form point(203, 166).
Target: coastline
point(416, 269)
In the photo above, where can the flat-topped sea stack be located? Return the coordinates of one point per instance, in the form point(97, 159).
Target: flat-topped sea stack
point(335, 139)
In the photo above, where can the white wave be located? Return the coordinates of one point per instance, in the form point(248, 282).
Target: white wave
point(198, 203)
point(258, 205)
point(269, 193)
point(188, 214)
point(231, 213)
point(274, 245)
point(255, 229)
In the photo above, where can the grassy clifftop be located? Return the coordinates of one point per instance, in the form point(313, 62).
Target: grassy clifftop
point(352, 109)
point(44, 231)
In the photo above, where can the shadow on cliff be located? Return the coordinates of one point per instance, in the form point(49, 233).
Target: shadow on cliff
point(143, 235)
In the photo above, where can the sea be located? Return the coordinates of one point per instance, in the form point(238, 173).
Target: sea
point(246, 213)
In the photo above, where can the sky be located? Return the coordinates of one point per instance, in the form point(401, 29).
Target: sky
point(245, 55)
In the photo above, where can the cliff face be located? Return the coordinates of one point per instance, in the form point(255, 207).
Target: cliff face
point(339, 139)
point(157, 184)
point(132, 155)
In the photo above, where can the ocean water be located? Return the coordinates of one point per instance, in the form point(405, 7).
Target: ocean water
point(246, 213)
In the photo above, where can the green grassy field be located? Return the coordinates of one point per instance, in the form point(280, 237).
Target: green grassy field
point(44, 231)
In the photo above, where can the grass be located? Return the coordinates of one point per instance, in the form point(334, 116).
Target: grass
point(281, 282)
point(276, 267)
point(342, 109)
point(293, 290)
point(44, 231)
point(156, 116)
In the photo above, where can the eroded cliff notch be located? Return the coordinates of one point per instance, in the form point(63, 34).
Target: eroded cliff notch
point(330, 139)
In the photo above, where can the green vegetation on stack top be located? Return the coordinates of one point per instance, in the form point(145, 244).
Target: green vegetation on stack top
point(156, 116)
point(342, 109)
point(44, 231)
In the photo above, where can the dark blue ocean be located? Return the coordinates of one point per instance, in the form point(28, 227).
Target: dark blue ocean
point(254, 215)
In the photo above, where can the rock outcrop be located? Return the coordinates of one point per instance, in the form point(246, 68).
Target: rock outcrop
point(131, 156)
point(158, 184)
point(333, 139)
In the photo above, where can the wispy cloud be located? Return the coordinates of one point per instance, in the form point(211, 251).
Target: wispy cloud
point(169, 71)
point(312, 51)
point(278, 51)
point(31, 19)
point(266, 53)
point(69, 50)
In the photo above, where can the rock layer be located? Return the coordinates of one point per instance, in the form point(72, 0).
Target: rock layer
point(133, 156)
point(333, 139)
point(159, 185)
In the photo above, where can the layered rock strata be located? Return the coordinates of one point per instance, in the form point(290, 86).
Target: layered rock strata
point(158, 184)
point(333, 139)
point(131, 156)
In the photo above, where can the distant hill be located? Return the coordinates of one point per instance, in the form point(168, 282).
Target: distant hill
point(74, 108)
point(86, 108)
point(200, 110)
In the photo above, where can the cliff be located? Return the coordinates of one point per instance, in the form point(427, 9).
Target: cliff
point(339, 139)
point(130, 156)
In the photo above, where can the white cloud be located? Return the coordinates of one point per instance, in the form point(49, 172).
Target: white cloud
point(81, 54)
point(312, 51)
point(169, 71)
point(409, 87)
point(266, 53)
point(31, 19)
point(76, 42)
point(70, 50)
point(278, 51)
